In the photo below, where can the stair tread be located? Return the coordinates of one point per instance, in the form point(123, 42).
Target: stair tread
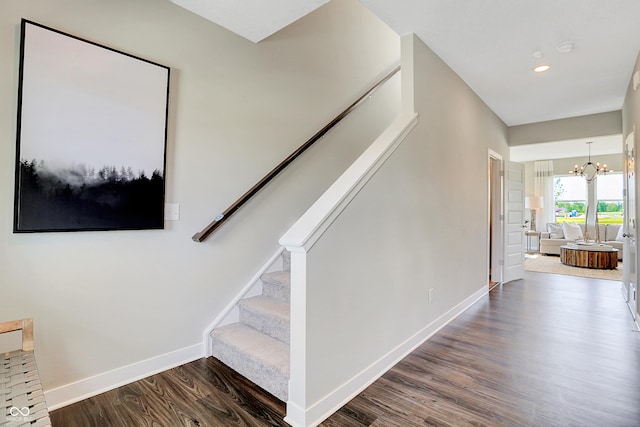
point(267, 305)
point(277, 278)
point(264, 349)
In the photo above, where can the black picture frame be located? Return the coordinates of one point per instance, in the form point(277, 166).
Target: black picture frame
point(91, 137)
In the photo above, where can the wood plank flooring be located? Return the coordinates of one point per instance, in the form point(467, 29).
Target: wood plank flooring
point(548, 350)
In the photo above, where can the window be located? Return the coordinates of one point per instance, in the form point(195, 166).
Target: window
point(609, 196)
point(570, 194)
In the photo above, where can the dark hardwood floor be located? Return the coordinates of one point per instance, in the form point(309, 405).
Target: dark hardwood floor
point(544, 351)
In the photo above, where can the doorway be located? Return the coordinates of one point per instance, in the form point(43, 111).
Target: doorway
point(496, 220)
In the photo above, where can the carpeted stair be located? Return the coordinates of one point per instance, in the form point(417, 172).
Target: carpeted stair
point(258, 345)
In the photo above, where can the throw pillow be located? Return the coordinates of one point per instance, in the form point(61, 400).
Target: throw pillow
point(619, 237)
point(555, 231)
point(611, 231)
point(572, 231)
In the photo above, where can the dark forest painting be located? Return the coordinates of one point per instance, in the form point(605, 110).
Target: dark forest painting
point(82, 198)
point(91, 143)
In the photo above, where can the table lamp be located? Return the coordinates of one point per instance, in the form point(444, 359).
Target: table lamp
point(533, 203)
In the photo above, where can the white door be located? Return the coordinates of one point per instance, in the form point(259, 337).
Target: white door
point(630, 251)
point(514, 222)
point(496, 225)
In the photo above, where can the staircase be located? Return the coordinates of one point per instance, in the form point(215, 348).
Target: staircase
point(258, 345)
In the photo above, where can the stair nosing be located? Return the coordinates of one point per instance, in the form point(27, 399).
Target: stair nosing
point(267, 306)
point(276, 345)
point(273, 278)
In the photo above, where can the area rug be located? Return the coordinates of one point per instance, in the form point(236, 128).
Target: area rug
point(551, 264)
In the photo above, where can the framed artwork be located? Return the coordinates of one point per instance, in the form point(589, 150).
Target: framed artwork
point(91, 136)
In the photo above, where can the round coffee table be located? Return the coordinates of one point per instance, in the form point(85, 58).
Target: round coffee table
point(589, 256)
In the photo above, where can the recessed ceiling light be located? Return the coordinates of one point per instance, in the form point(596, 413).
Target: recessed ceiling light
point(537, 54)
point(542, 68)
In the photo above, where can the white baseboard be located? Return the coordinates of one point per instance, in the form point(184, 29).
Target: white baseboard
point(92, 386)
point(314, 415)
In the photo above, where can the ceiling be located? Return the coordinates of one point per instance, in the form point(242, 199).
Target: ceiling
point(490, 44)
point(254, 20)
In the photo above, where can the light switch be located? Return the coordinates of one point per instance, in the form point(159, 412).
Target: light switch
point(171, 212)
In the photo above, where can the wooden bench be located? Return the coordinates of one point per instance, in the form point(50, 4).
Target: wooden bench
point(21, 397)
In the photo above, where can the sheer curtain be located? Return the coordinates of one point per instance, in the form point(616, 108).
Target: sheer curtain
point(544, 187)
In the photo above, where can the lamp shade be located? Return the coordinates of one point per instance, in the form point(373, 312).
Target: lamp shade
point(533, 202)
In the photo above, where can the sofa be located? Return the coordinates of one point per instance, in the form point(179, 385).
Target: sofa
point(561, 234)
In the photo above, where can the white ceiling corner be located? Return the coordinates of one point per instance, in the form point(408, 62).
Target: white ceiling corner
point(254, 20)
point(490, 45)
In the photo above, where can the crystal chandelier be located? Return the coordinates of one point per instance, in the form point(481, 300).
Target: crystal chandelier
point(590, 171)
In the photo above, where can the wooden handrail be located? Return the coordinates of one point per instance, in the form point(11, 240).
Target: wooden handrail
point(221, 218)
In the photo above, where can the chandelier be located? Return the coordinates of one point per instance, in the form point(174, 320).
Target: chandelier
point(590, 171)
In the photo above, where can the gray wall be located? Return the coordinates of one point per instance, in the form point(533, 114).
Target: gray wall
point(589, 126)
point(104, 300)
point(411, 228)
point(631, 106)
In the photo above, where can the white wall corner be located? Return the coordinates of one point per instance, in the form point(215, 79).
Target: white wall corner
point(408, 74)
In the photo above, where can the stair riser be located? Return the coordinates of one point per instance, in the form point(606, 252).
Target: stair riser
point(277, 291)
point(272, 326)
point(267, 378)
